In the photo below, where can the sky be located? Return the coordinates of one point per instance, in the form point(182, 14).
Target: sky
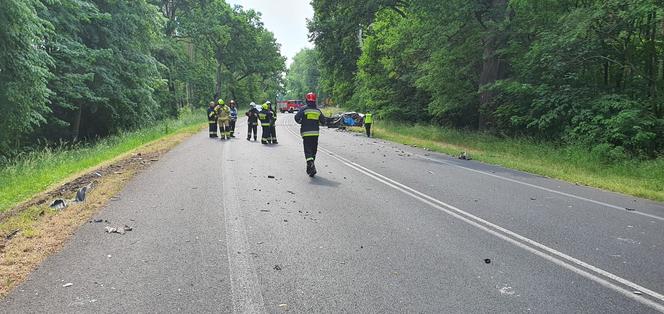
point(286, 19)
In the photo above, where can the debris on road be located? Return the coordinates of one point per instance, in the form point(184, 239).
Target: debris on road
point(58, 204)
point(487, 260)
point(637, 292)
point(533, 199)
point(291, 192)
point(69, 284)
point(122, 230)
point(465, 156)
point(12, 234)
point(283, 306)
point(630, 209)
point(270, 177)
point(80, 195)
point(276, 267)
point(265, 210)
point(285, 220)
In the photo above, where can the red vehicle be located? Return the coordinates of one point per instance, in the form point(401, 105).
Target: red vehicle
point(290, 105)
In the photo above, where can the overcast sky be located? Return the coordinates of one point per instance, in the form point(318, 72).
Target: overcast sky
point(286, 19)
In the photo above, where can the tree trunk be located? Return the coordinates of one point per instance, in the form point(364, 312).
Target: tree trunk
point(76, 127)
point(493, 67)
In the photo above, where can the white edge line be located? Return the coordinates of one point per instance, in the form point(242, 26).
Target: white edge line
point(449, 209)
point(541, 187)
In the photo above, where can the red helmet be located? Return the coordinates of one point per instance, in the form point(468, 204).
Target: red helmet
point(311, 97)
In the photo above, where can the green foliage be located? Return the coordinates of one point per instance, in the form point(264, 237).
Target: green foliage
point(72, 70)
point(303, 75)
point(575, 72)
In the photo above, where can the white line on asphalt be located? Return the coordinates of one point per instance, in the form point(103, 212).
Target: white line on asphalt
point(575, 265)
point(247, 296)
point(553, 255)
point(541, 188)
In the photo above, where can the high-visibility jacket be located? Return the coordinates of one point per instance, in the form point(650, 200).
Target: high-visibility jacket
point(266, 117)
point(223, 113)
point(310, 119)
point(368, 118)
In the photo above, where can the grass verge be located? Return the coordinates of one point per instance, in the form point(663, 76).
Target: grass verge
point(641, 178)
point(36, 231)
point(39, 171)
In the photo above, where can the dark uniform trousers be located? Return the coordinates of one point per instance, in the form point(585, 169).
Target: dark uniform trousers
point(266, 137)
point(252, 127)
point(310, 147)
point(367, 126)
point(232, 127)
point(213, 128)
point(273, 134)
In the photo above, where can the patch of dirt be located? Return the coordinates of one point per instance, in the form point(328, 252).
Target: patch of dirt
point(46, 230)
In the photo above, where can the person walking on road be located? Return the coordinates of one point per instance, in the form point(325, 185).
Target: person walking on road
point(252, 121)
point(223, 119)
point(265, 116)
point(233, 110)
point(310, 119)
point(212, 120)
point(368, 121)
point(273, 128)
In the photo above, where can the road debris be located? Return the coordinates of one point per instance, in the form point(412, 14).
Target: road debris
point(58, 204)
point(506, 290)
point(637, 292)
point(487, 260)
point(630, 209)
point(265, 210)
point(80, 195)
point(69, 284)
point(12, 234)
point(291, 192)
point(465, 156)
point(533, 199)
point(121, 230)
point(283, 306)
point(270, 177)
point(276, 267)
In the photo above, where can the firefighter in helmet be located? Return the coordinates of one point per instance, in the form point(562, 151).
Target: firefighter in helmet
point(212, 120)
point(265, 116)
point(310, 119)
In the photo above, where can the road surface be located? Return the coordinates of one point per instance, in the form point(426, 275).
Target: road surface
point(382, 228)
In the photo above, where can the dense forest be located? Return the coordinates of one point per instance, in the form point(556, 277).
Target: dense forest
point(73, 70)
point(588, 73)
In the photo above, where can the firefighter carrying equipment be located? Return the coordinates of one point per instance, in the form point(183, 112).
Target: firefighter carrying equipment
point(223, 119)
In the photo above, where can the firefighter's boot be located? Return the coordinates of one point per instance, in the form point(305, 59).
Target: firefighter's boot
point(311, 168)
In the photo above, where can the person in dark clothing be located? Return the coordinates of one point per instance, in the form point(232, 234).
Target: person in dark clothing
point(212, 120)
point(233, 108)
point(310, 119)
point(252, 121)
point(273, 128)
point(265, 116)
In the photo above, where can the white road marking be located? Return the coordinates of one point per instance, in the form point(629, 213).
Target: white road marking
point(541, 188)
point(575, 265)
point(247, 296)
point(561, 259)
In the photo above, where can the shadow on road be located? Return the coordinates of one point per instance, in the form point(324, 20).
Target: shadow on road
point(324, 182)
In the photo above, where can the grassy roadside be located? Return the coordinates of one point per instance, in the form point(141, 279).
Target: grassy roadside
point(641, 178)
point(40, 171)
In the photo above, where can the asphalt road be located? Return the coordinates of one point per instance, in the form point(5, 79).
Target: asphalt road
point(382, 228)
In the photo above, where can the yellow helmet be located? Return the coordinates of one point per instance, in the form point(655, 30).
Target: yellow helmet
point(265, 106)
point(220, 101)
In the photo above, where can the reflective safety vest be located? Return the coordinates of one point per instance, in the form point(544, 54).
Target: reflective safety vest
point(368, 118)
point(266, 117)
point(310, 118)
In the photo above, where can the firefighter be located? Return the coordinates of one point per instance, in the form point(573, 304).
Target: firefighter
point(368, 121)
point(223, 119)
point(233, 109)
point(273, 128)
point(212, 120)
point(265, 115)
point(310, 118)
point(252, 121)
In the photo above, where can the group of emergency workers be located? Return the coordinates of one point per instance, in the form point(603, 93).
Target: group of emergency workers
point(222, 118)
